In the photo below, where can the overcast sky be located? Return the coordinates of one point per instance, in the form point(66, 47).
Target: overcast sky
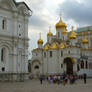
point(46, 13)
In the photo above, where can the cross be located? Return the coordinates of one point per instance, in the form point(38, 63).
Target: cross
point(49, 28)
point(40, 35)
point(72, 28)
point(60, 16)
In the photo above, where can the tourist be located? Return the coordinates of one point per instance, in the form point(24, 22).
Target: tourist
point(85, 77)
point(41, 79)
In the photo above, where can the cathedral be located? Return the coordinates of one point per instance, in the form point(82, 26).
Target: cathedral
point(13, 40)
point(67, 52)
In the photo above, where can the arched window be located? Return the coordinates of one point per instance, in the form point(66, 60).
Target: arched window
point(36, 67)
point(3, 54)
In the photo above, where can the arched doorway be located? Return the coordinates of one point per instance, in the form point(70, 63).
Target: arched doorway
point(69, 65)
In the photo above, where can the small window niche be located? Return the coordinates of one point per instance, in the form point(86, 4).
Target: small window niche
point(4, 24)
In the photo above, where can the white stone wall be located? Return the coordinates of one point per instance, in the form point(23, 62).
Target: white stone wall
point(14, 38)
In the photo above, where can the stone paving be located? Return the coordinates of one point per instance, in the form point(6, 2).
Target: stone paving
point(35, 86)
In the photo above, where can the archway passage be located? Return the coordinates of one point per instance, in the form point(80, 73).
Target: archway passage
point(69, 65)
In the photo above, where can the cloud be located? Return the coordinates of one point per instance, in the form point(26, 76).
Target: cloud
point(79, 12)
point(38, 22)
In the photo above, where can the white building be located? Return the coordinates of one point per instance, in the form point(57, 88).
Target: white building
point(13, 37)
point(69, 52)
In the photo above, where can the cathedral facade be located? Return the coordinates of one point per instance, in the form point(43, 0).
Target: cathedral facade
point(13, 38)
point(64, 52)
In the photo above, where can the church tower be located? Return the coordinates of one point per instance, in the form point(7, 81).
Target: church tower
point(49, 35)
point(72, 37)
point(60, 26)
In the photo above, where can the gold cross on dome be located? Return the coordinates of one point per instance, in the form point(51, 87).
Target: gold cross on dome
point(72, 28)
point(49, 28)
point(60, 15)
point(40, 35)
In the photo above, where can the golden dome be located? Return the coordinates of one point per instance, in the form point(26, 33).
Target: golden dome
point(85, 41)
point(64, 31)
point(40, 41)
point(54, 45)
point(50, 33)
point(72, 34)
point(62, 45)
point(46, 47)
point(60, 24)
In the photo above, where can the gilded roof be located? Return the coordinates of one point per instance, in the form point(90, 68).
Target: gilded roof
point(62, 45)
point(54, 45)
point(85, 41)
point(72, 34)
point(60, 24)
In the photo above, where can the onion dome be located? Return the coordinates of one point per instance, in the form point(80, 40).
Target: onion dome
point(64, 31)
point(62, 45)
point(85, 41)
point(46, 47)
point(60, 24)
point(40, 41)
point(54, 45)
point(50, 33)
point(73, 34)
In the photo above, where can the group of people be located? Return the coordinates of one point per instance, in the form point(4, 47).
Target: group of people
point(62, 79)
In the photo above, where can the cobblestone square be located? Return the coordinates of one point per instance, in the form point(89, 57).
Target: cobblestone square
point(35, 86)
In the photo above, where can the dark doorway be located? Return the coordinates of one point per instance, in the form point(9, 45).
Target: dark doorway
point(69, 65)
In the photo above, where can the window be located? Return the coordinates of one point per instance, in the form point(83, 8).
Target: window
point(29, 67)
point(3, 23)
point(78, 68)
point(61, 65)
point(86, 64)
point(36, 54)
point(3, 69)
point(19, 34)
point(50, 53)
point(63, 37)
point(61, 53)
point(45, 54)
point(19, 25)
point(58, 35)
point(82, 64)
point(68, 52)
point(2, 54)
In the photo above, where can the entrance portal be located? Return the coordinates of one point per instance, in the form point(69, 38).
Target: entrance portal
point(69, 65)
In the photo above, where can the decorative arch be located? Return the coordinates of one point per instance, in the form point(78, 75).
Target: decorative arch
point(36, 60)
point(6, 45)
point(69, 65)
point(36, 67)
point(71, 58)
